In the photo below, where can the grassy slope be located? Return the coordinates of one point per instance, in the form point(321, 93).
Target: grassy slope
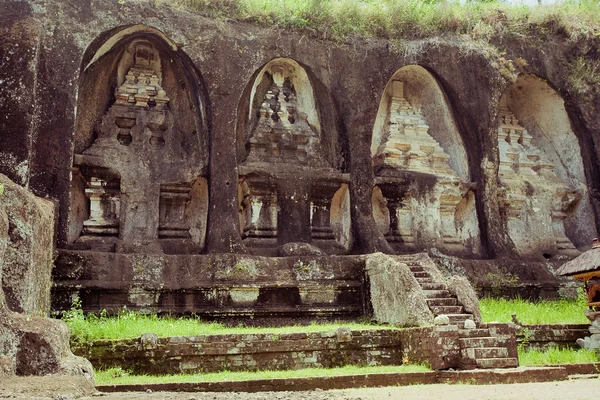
point(340, 19)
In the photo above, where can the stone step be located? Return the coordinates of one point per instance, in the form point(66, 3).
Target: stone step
point(424, 280)
point(421, 274)
point(485, 352)
point(489, 363)
point(448, 301)
point(471, 333)
point(456, 319)
point(433, 286)
point(416, 268)
point(448, 310)
point(436, 294)
point(478, 342)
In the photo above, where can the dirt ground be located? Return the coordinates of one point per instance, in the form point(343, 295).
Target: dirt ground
point(69, 388)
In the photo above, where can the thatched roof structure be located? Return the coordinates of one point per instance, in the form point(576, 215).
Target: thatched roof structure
point(586, 262)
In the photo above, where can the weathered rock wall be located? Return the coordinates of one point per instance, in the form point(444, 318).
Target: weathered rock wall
point(46, 44)
point(27, 255)
point(30, 343)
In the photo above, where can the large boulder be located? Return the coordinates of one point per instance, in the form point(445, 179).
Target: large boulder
point(33, 345)
point(396, 296)
point(460, 287)
point(30, 344)
point(28, 246)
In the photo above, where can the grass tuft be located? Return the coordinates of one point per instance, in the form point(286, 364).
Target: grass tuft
point(554, 355)
point(117, 376)
point(563, 311)
point(128, 324)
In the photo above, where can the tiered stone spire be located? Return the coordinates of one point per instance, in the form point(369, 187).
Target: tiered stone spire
point(142, 83)
point(406, 145)
point(407, 142)
point(282, 133)
point(532, 194)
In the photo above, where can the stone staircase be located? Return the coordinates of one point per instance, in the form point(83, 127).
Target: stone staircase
point(479, 347)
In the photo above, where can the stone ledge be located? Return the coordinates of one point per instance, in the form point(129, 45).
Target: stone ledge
point(243, 352)
point(561, 335)
point(479, 377)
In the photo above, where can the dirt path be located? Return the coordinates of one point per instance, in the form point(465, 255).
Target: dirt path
point(62, 388)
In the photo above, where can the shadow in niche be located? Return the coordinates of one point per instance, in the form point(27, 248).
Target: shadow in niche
point(140, 163)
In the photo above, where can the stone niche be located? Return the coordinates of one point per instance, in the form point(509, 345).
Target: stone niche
point(289, 190)
point(543, 197)
point(423, 197)
point(138, 178)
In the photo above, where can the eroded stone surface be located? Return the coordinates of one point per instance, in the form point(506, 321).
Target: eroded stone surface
point(396, 296)
point(29, 343)
point(429, 208)
point(142, 173)
point(216, 78)
point(27, 260)
point(287, 186)
point(535, 200)
point(460, 287)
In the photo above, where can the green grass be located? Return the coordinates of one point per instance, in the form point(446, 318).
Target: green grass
point(129, 324)
point(116, 376)
point(554, 355)
point(563, 311)
point(406, 19)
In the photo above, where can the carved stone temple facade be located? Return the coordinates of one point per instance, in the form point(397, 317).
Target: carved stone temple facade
point(233, 171)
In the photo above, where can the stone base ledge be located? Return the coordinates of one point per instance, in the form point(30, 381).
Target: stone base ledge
point(477, 377)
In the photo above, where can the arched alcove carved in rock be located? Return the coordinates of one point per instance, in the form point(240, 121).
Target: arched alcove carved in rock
point(290, 183)
point(423, 196)
point(138, 180)
point(544, 197)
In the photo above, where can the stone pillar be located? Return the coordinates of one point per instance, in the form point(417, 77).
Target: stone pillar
point(173, 201)
point(104, 208)
point(449, 200)
point(398, 203)
point(320, 218)
point(405, 222)
point(393, 234)
point(562, 200)
point(260, 211)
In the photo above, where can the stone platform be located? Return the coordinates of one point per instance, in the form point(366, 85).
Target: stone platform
point(222, 286)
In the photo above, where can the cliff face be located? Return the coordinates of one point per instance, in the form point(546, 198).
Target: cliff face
point(62, 63)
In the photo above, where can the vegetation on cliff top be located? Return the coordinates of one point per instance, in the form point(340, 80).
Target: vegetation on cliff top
point(409, 19)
